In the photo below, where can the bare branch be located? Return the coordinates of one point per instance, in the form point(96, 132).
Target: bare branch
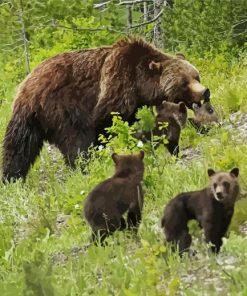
point(240, 23)
point(132, 2)
point(148, 22)
point(75, 28)
point(99, 5)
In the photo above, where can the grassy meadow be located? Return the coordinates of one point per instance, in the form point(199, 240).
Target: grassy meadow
point(43, 235)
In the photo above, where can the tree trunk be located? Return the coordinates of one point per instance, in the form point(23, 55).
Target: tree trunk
point(129, 23)
point(157, 36)
point(24, 37)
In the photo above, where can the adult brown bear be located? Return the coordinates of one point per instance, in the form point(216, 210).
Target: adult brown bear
point(67, 99)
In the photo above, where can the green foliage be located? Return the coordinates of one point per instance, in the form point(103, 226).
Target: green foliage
point(146, 119)
point(120, 135)
point(37, 276)
point(146, 122)
point(206, 26)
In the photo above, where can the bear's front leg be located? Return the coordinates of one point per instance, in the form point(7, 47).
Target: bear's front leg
point(226, 222)
point(212, 235)
point(173, 148)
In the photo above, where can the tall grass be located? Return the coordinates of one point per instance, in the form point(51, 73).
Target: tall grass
point(43, 235)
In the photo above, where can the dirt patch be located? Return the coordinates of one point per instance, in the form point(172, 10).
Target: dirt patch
point(237, 125)
point(203, 273)
point(243, 228)
point(61, 223)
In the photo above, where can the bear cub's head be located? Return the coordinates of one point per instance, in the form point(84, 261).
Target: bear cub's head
point(205, 114)
point(224, 186)
point(169, 110)
point(129, 166)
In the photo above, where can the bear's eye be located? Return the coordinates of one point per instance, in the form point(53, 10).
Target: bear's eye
point(215, 185)
point(226, 185)
point(184, 84)
point(210, 110)
point(197, 78)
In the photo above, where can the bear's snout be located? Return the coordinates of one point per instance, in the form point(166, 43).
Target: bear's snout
point(199, 92)
point(219, 195)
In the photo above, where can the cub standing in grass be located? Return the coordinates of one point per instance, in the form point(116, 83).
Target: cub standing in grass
point(212, 207)
point(106, 204)
point(175, 115)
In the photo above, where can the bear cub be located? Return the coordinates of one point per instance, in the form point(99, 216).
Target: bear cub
point(212, 207)
point(106, 204)
point(175, 115)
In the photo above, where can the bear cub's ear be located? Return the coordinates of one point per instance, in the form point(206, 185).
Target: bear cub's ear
point(165, 104)
point(235, 172)
point(211, 172)
point(181, 56)
point(141, 154)
point(155, 67)
point(115, 157)
point(182, 107)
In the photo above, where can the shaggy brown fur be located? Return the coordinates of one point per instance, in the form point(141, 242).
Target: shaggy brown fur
point(175, 115)
point(212, 207)
point(106, 204)
point(67, 99)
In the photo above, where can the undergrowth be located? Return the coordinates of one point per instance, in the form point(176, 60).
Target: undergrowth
point(44, 236)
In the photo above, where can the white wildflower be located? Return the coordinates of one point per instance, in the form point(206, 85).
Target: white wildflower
point(140, 144)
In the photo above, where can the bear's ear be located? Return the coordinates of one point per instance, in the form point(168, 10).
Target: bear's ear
point(235, 172)
point(211, 172)
point(141, 154)
point(182, 107)
point(195, 107)
point(155, 67)
point(115, 158)
point(181, 56)
point(165, 104)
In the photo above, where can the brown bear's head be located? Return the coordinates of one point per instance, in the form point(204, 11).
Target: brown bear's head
point(129, 165)
point(224, 186)
point(179, 81)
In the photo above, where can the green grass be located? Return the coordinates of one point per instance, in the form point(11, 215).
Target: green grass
point(40, 256)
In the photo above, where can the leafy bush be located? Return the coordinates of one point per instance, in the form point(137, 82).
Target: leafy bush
point(206, 26)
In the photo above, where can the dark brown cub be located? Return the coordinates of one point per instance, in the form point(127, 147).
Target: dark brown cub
point(212, 207)
point(175, 115)
point(106, 204)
